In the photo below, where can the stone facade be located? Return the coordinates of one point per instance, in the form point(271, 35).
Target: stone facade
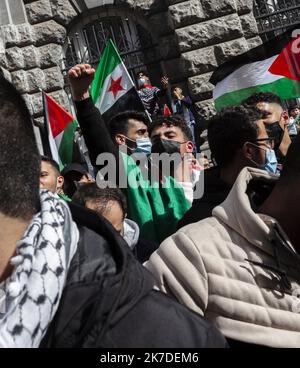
point(193, 38)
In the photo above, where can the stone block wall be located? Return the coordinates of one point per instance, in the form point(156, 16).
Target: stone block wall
point(31, 53)
point(208, 33)
point(193, 38)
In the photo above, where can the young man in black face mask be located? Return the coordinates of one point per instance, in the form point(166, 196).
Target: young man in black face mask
point(276, 121)
point(172, 135)
point(154, 207)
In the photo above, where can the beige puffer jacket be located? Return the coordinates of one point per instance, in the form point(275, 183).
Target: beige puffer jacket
point(206, 267)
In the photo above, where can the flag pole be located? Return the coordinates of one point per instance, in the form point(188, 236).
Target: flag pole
point(44, 130)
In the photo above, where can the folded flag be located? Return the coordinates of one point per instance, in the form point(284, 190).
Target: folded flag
point(271, 67)
point(60, 127)
point(113, 90)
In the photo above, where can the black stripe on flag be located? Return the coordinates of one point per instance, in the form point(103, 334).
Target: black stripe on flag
point(129, 102)
point(44, 130)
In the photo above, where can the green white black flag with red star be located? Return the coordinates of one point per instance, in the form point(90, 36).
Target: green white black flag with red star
point(113, 90)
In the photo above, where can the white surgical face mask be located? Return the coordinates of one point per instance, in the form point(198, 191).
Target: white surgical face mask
point(141, 82)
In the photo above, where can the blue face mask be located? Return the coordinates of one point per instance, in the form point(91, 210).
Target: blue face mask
point(271, 161)
point(143, 145)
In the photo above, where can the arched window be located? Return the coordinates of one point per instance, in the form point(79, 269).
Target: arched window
point(276, 16)
point(87, 40)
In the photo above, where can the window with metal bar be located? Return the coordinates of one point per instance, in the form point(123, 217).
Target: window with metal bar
point(276, 16)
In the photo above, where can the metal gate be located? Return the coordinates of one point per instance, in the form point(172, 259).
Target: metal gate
point(86, 43)
point(276, 16)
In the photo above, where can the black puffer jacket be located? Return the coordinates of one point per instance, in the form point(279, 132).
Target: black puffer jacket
point(109, 301)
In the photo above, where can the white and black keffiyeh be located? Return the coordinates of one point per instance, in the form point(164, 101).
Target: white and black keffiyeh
point(33, 291)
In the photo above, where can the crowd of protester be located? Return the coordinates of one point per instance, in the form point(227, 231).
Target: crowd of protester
point(151, 263)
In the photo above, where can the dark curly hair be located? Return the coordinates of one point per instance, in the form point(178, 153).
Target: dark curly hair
point(230, 129)
point(267, 97)
point(174, 120)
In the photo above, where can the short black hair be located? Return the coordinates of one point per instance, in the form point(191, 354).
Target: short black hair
point(19, 156)
point(52, 162)
point(230, 129)
point(259, 97)
point(142, 72)
point(175, 120)
point(101, 196)
point(119, 124)
point(291, 108)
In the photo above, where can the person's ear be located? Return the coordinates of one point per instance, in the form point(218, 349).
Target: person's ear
point(120, 139)
point(285, 117)
point(60, 182)
point(190, 147)
point(248, 151)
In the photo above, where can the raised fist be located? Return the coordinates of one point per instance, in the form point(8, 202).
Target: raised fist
point(81, 77)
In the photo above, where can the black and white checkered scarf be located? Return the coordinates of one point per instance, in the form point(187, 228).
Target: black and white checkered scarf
point(33, 291)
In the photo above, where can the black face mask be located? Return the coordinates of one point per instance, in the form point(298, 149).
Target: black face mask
point(166, 146)
point(275, 131)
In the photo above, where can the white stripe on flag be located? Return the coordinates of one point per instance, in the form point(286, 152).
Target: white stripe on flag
point(54, 145)
point(248, 75)
point(107, 99)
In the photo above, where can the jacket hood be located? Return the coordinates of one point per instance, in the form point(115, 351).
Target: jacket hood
point(131, 233)
point(236, 211)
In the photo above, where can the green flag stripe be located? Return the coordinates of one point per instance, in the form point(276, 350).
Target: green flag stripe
point(108, 62)
point(285, 88)
point(66, 146)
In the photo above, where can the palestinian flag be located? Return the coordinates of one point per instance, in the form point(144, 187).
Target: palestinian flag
point(271, 67)
point(113, 90)
point(60, 129)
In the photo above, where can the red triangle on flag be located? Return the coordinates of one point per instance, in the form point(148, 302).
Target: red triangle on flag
point(58, 117)
point(287, 63)
point(167, 111)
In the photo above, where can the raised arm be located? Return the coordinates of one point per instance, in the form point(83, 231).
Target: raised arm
point(94, 129)
point(164, 87)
